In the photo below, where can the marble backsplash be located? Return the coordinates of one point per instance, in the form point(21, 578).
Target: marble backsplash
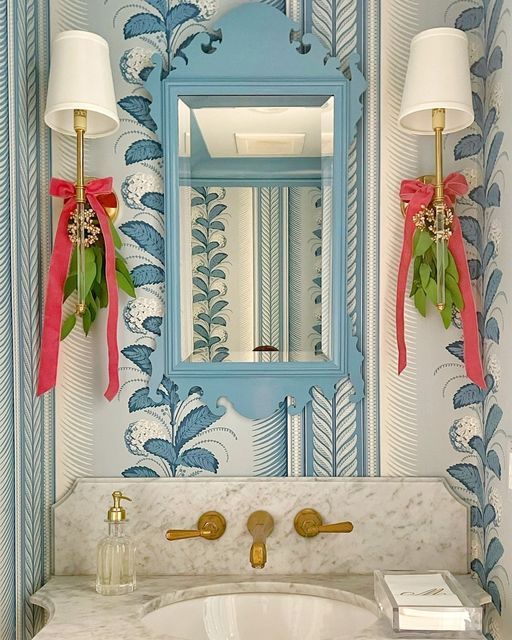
point(399, 523)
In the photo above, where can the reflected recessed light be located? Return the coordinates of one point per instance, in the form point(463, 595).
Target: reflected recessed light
point(269, 144)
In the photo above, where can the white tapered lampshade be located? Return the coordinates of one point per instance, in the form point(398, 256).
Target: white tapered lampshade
point(437, 78)
point(81, 78)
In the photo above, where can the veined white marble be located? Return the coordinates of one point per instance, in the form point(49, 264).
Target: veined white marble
point(77, 612)
point(407, 523)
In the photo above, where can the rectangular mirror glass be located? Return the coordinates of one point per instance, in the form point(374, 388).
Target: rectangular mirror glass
point(255, 228)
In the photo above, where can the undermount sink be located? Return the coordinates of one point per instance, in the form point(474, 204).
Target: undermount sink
point(253, 615)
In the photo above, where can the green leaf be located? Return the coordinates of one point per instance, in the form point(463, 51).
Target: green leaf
point(103, 294)
point(115, 236)
point(453, 287)
point(69, 285)
point(420, 301)
point(122, 268)
point(446, 313)
point(86, 321)
point(98, 254)
point(422, 241)
point(431, 289)
point(125, 285)
point(67, 326)
point(452, 267)
point(424, 274)
point(90, 275)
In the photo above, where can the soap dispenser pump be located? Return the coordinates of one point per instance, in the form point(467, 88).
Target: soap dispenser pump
point(116, 554)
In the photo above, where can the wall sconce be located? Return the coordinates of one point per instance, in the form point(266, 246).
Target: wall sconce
point(81, 102)
point(437, 99)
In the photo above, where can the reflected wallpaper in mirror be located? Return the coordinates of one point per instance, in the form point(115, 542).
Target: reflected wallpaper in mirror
point(255, 241)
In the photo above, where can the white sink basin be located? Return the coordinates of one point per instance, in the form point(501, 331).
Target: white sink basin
point(263, 616)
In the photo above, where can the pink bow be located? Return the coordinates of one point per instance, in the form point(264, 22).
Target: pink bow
point(59, 267)
point(419, 195)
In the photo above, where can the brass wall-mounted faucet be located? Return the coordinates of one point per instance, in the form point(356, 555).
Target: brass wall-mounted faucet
point(260, 525)
point(309, 523)
point(210, 526)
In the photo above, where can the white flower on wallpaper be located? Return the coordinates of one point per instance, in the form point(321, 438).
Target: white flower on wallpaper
point(135, 64)
point(461, 432)
point(140, 315)
point(138, 433)
point(137, 186)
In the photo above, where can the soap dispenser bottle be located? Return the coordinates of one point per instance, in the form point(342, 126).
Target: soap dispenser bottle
point(116, 554)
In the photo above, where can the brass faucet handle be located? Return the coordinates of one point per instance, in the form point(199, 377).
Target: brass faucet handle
point(308, 523)
point(210, 526)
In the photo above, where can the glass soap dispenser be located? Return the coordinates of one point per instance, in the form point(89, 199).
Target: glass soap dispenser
point(115, 574)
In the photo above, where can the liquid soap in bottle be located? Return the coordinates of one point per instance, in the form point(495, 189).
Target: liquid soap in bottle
point(116, 554)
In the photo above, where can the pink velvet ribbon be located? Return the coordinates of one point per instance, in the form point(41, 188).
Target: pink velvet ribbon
point(419, 195)
point(59, 268)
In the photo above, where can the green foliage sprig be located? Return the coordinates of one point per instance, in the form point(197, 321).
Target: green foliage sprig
point(96, 290)
point(424, 282)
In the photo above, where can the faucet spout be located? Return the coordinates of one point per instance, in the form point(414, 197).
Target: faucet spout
point(260, 526)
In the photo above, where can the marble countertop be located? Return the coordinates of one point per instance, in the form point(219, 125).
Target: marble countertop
point(77, 612)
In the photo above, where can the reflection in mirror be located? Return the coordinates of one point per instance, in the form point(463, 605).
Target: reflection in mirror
point(255, 234)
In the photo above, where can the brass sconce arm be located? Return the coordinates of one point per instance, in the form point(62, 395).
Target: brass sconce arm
point(308, 523)
point(210, 526)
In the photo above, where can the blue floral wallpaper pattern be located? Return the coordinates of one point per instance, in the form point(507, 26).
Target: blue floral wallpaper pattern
point(477, 434)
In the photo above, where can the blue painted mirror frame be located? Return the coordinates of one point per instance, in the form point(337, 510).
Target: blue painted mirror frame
point(255, 51)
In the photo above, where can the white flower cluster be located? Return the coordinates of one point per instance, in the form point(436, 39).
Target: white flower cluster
point(495, 501)
point(137, 310)
point(136, 185)
point(494, 368)
point(497, 98)
point(138, 433)
point(461, 432)
point(133, 61)
point(495, 234)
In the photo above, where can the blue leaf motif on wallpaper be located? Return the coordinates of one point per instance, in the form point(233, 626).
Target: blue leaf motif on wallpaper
point(139, 108)
point(140, 355)
point(492, 330)
point(494, 20)
point(492, 289)
point(193, 424)
point(140, 400)
point(489, 122)
point(139, 472)
point(467, 395)
point(476, 519)
point(469, 477)
point(159, 5)
point(468, 146)
point(493, 154)
point(493, 556)
point(470, 19)
point(153, 200)
point(153, 324)
point(141, 150)
point(489, 515)
point(200, 458)
point(478, 108)
point(144, 274)
point(163, 449)
point(479, 68)
point(179, 14)
point(478, 195)
point(493, 462)
point(142, 23)
point(493, 420)
point(146, 236)
point(471, 230)
point(495, 60)
point(488, 254)
point(477, 444)
point(475, 268)
point(495, 595)
point(478, 568)
point(457, 349)
point(494, 195)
